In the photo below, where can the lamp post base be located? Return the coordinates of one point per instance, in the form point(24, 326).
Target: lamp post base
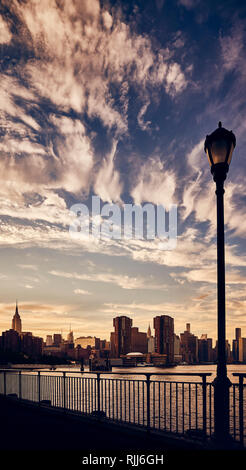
point(221, 386)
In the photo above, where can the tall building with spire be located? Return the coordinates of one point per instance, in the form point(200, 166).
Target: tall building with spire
point(16, 321)
point(151, 341)
point(70, 337)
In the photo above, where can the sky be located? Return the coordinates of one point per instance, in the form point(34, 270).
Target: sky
point(115, 99)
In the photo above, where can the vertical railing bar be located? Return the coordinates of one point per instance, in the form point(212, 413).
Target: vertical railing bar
point(143, 397)
point(183, 410)
point(138, 405)
point(98, 393)
point(86, 395)
point(148, 402)
point(71, 396)
point(64, 390)
point(50, 389)
point(210, 409)
point(71, 393)
point(54, 392)
point(170, 404)
point(204, 405)
point(95, 393)
point(83, 393)
point(159, 404)
point(68, 392)
point(129, 401)
point(58, 391)
point(105, 394)
point(234, 410)
point(113, 397)
point(39, 387)
point(20, 391)
point(241, 433)
point(4, 383)
point(196, 407)
point(75, 393)
point(177, 408)
point(165, 406)
point(125, 399)
point(79, 394)
point(189, 406)
point(121, 399)
point(153, 391)
point(117, 400)
point(109, 398)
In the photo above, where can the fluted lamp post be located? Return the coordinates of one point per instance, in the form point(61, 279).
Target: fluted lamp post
point(219, 147)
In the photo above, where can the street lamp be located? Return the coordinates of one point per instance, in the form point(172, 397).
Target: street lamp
point(219, 147)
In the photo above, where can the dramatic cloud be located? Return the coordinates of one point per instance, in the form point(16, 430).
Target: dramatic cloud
point(115, 99)
point(5, 35)
point(154, 184)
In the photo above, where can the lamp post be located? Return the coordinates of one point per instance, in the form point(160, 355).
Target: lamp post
point(219, 147)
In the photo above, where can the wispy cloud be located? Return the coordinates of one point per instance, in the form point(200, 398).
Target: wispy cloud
point(82, 292)
point(32, 267)
point(123, 281)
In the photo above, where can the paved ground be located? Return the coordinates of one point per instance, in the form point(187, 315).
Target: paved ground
point(32, 434)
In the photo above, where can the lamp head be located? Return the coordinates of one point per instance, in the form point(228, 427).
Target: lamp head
point(219, 148)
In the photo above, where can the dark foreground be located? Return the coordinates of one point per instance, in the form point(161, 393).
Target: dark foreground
point(32, 434)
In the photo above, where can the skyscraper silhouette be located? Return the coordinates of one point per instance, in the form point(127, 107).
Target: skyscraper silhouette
point(16, 321)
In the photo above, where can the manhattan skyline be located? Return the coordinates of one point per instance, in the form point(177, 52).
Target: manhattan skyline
point(115, 99)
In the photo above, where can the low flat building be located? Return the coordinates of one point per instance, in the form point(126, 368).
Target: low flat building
point(85, 341)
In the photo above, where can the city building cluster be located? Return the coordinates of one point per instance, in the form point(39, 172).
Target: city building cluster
point(127, 345)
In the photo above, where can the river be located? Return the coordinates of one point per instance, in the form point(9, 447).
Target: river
point(204, 368)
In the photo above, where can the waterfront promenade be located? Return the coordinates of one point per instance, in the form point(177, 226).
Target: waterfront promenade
point(66, 411)
point(31, 433)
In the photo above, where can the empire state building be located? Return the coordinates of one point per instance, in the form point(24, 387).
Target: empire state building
point(16, 321)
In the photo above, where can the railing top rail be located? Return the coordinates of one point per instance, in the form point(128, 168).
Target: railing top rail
point(239, 374)
point(191, 374)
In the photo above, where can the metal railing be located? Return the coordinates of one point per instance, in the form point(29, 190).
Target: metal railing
point(238, 408)
point(156, 401)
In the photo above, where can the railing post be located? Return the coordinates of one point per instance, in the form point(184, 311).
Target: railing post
point(98, 395)
point(64, 390)
point(148, 403)
point(241, 408)
point(39, 387)
point(4, 383)
point(20, 384)
point(204, 405)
